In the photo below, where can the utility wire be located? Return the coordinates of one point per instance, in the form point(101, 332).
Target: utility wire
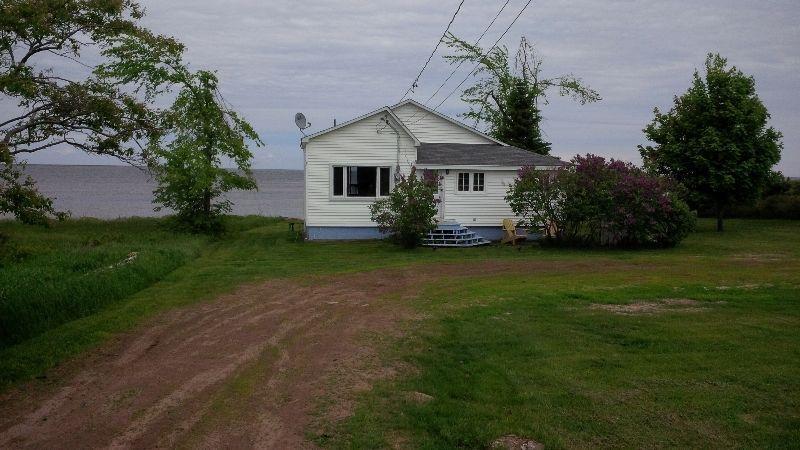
point(469, 74)
point(476, 65)
point(416, 80)
point(478, 41)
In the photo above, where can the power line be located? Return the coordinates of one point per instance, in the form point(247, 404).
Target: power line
point(425, 113)
point(478, 41)
point(414, 83)
point(469, 74)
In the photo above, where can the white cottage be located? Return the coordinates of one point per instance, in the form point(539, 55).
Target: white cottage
point(351, 164)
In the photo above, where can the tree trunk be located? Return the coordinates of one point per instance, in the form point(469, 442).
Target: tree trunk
point(207, 203)
point(720, 216)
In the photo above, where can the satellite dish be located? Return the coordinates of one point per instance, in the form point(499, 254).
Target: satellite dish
point(301, 122)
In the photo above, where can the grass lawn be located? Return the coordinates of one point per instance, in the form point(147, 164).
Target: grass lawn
point(718, 365)
point(715, 364)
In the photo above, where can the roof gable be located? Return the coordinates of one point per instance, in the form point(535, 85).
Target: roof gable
point(404, 126)
point(385, 110)
point(426, 111)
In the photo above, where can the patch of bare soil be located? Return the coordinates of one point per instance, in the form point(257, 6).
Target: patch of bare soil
point(758, 257)
point(653, 307)
point(512, 442)
point(746, 287)
point(246, 370)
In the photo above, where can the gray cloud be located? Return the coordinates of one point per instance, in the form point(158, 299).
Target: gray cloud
point(341, 59)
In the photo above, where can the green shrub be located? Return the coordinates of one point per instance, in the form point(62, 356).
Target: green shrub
point(409, 212)
point(780, 200)
point(781, 206)
point(599, 202)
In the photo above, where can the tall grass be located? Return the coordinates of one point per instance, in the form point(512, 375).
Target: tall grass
point(45, 282)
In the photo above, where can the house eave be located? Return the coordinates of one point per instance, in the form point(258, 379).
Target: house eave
point(478, 167)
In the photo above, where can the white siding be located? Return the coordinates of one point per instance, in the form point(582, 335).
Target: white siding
point(431, 128)
point(359, 143)
point(487, 208)
point(356, 144)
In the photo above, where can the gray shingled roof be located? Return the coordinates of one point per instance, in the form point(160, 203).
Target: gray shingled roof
point(481, 154)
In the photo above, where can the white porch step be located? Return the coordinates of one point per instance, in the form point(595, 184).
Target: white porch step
point(451, 234)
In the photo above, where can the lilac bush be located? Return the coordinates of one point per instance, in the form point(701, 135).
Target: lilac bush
point(538, 197)
point(600, 202)
point(409, 212)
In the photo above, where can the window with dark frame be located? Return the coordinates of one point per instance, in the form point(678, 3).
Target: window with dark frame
point(360, 181)
point(463, 182)
point(477, 182)
point(338, 181)
point(385, 180)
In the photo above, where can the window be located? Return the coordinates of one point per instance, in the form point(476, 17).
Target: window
point(338, 181)
point(463, 182)
point(385, 180)
point(471, 182)
point(477, 182)
point(360, 181)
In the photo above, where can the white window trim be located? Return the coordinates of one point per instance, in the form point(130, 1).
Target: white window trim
point(344, 197)
point(471, 185)
point(483, 184)
point(458, 182)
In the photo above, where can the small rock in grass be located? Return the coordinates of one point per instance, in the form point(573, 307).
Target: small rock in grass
point(419, 397)
point(511, 442)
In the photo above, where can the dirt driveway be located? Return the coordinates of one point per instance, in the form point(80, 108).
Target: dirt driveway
point(248, 369)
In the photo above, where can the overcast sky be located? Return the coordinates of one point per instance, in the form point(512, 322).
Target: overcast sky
point(344, 58)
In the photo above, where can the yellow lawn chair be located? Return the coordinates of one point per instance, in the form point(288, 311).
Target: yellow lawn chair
point(510, 233)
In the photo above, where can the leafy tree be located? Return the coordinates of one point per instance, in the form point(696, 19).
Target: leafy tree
point(58, 105)
point(715, 139)
point(18, 195)
point(197, 134)
point(188, 165)
point(507, 95)
point(410, 210)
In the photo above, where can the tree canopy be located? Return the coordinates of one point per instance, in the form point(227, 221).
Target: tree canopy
point(715, 139)
point(196, 135)
point(507, 95)
point(74, 107)
point(108, 109)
